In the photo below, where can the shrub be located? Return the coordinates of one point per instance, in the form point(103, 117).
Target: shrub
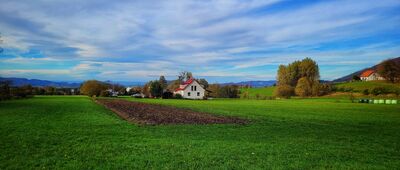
point(245, 95)
point(366, 92)
point(93, 87)
point(167, 95)
point(284, 91)
point(378, 90)
point(178, 96)
point(104, 93)
point(323, 89)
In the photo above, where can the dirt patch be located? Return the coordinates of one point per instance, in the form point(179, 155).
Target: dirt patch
point(153, 114)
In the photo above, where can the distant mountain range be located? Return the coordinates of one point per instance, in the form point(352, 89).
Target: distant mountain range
point(39, 83)
point(350, 76)
point(253, 83)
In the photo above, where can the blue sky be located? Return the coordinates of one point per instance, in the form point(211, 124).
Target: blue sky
point(223, 41)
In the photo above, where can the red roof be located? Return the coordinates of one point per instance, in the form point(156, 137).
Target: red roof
point(367, 73)
point(186, 83)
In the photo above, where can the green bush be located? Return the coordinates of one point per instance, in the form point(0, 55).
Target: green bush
point(378, 90)
point(178, 96)
point(366, 92)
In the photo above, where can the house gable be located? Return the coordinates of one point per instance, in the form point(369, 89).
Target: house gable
point(191, 89)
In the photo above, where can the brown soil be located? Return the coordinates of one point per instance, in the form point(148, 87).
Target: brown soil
point(153, 114)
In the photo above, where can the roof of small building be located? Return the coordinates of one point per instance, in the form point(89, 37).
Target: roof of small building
point(367, 73)
point(186, 83)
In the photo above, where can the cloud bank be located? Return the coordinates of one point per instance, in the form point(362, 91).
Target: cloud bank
point(219, 40)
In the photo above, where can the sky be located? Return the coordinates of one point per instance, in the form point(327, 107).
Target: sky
point(222, 41)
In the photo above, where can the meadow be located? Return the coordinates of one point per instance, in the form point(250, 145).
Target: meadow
point(75, 133)
point(262, 92)
point(360, 86)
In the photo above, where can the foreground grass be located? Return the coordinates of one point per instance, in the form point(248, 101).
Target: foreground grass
point(74, 132)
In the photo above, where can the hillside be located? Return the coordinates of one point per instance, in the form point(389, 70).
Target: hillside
point(350, 76)
point(360, 86)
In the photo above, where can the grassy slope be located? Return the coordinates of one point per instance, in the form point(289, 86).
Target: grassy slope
point(360, 86)
point(73, 132)
point(263, 91)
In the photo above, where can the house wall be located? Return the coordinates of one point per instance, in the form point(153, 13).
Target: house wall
point(372, 77)
point(193, 92)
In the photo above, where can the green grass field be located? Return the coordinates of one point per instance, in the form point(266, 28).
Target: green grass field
point(360, 86)
point(75, 133)
point(262, 92)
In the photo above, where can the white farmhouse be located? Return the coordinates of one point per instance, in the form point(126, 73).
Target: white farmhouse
point(191, 89)
point(370, 75)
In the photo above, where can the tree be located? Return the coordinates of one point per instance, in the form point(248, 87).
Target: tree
point(309, 69)
point(185, 75)
point(146, 89)
point(93, 87)
point(390, 70)
point(156, 89)
point(163, 82)
point(173, 85)
point(230, 91)
point(5, 90)
point(283, 76)
point(50, 90)
point(303, 87)
point(135, 90)
point(204, 83)
point(356, 78)
point(288, 78)
point(214, 90)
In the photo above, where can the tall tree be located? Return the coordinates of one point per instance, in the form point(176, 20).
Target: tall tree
point(289, 77)
point(204, 83)
point(93, 87)
point(163, 82)
point(146, 89)
point(390, 70)
point(185, 75)
point(173, 85)
point(156, 89)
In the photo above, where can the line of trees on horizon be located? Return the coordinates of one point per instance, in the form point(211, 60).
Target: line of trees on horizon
point(160, 88)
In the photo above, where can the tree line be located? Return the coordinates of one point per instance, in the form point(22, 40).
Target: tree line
point(8, 91)
point(160, 88)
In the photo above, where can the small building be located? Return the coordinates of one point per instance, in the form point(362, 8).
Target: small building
point(370, 75)
point(191, 89)
point(112, 93)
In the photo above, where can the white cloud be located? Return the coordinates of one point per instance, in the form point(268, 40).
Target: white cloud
point(143, 38)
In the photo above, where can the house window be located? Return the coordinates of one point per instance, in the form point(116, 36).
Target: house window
point(198, 93)
point(191, 87)
point(195, 88)
point(188, 93)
